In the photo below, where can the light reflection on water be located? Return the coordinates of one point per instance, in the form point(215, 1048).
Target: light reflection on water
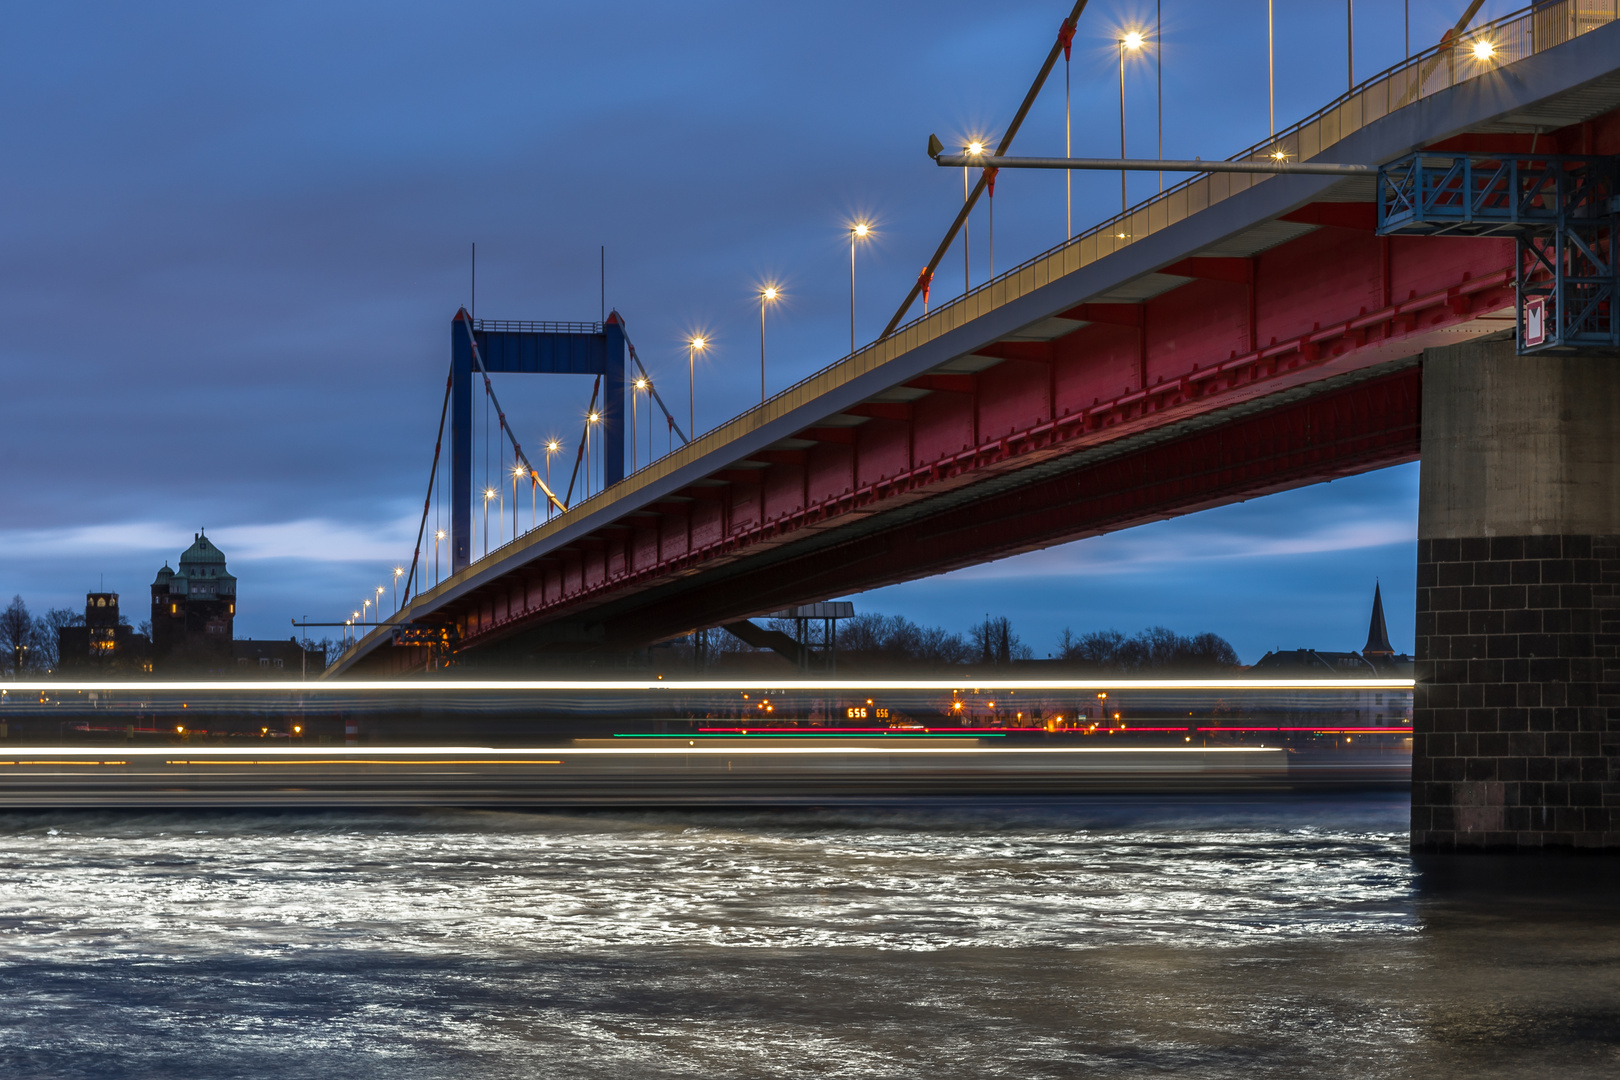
point(1203, 935)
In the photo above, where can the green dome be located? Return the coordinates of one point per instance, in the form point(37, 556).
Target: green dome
point(201, 552)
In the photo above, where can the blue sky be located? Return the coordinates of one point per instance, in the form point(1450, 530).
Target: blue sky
point(232, 239)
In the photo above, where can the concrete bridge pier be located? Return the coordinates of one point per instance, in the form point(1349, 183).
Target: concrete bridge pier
point(1516, 720)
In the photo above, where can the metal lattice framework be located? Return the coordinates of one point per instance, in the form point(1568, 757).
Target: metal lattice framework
point(1561, 209)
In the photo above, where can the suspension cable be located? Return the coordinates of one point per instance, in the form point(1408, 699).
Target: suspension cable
point(489, 389)
point(433, 476)
point(652, 391)
point(1001, 150)
point(579, 454)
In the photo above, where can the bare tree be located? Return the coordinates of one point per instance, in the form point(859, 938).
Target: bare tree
point(45, 653)
point(16, 635)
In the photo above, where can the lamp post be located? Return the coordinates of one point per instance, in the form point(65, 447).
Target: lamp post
point(858, 231)
point(376, 612)
point(635, 425)
point(1129, 42)
point(489, 493)
point(591, 420)
point(399, 572)
point(437, 536)
point(517, 471)
point(365, 607)
point(693, 347)
point(1271, 69)
point(767, 295)
point(551, 448)
point(976, 149)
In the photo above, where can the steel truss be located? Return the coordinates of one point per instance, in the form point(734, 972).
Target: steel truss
point(1563, 212)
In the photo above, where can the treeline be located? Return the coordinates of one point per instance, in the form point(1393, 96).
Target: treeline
point(874, 642)
point(1154, 649)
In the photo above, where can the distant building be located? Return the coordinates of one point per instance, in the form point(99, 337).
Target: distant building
point(104, 645)
point(194, 613)
point(1376, 659)
point(275, 659)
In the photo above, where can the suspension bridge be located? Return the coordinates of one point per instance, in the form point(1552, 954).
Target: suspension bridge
point(1239, 334)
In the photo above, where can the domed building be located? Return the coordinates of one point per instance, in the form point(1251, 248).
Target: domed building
point(194, 612)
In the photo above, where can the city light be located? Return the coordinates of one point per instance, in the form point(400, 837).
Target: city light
point(974, 148)
point(1484, 50)
point(859, 230)
point(1132, 40)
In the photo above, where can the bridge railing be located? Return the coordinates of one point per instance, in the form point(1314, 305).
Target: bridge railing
point(1511, 38)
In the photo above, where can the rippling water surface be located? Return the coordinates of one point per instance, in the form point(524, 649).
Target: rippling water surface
point(1270, 937)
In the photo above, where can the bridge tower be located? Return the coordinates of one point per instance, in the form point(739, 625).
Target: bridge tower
point(534, 348)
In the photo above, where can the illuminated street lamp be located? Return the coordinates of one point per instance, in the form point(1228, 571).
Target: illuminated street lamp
point(365, 607)
point(858, 231)
point(590, 459)
point(1484, 50)
point(639, 387)
point(696, 345)
point(517, 471)
point(376, 613)
point(399, 572)
point(551, 448)
point(489, 493)
point(437, 536)
point(769, 295)
point(1131, 41)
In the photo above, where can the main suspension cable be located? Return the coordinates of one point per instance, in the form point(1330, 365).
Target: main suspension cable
point(1001, 150)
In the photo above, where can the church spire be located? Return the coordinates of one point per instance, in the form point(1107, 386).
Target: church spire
point(1377, 633)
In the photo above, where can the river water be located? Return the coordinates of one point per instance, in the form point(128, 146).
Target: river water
point(1227, 937)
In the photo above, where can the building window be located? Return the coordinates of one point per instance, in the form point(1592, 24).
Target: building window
point(264, 661)
point(279, 664)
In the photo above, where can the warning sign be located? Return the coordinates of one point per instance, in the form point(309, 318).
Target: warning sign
point(1535, 322)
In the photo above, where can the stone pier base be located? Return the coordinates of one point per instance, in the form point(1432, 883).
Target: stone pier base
point(1516, 722)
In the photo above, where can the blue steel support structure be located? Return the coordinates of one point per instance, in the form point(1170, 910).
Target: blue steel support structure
point(533, 348)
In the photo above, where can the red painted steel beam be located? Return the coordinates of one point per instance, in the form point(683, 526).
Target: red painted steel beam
point(1368, 425)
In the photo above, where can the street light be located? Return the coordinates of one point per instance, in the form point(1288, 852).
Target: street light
point(376, 614)
point(1484, 50)
point(489, 493)
point(517, 471)
point(365, 606)
point(767, 295)
point(590, 459)
point(399, 572)
point(858, 231)
point(635, 425)
point(551, 448)
point(696, 345)
point(1131, 41)
point(437, 536)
